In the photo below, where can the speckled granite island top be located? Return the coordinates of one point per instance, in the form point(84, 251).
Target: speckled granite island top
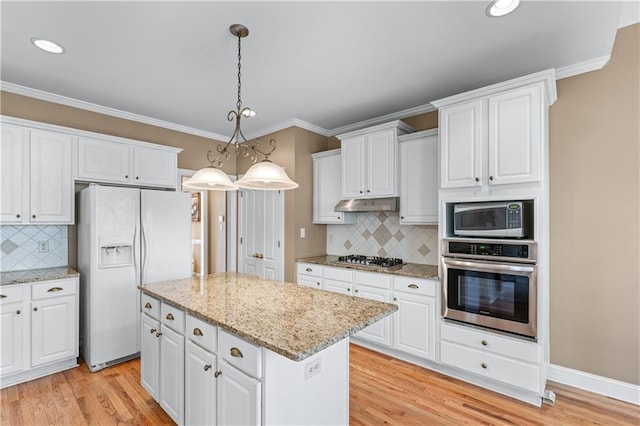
point(415, 270)
point(291, 320)
point(32, 275)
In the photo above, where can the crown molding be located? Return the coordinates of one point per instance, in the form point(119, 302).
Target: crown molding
point(285, 125)
point(422, 109)
point(582, 67)
point(113, 112)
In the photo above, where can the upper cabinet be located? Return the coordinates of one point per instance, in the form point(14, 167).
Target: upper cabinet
point(496, 135)
point(327, 184)
point(419, 178)
point(126, 163)
point(37, 179)
point(370, 161)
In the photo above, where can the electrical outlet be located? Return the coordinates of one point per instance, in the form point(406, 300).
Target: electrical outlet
point(312, 368)
point(303, 233)
point(43, 246)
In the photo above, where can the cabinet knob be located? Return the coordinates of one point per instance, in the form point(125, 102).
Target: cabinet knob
point(490, 177)
point(18, 312)
point(170, 317)
point(18, 215)
point(395, 299)
point(309, 270)
point(477, 179)
point(126, 176)
point(236, 353)
point(158, 334)
point(147, 305)
point(368, 191)
point(484, 343)
point(357, 291)
point(318, 284)
point(207, 367)
point(361, 192)
point(33, 216)
point(401, 217)
point(137, 178)
point(349, 290)
point(197, 332)
point(338, 217)
point(153, 330)
point(35, 308)
point(483, 365)
point(217, 373)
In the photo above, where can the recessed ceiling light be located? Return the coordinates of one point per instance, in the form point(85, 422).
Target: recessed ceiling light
point(47, 45)
point(499, 8)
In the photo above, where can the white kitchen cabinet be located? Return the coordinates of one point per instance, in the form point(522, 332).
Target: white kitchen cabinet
point(12, 321)
point(374, 286)
point(239, 397)
point(309, 275)
point(37, 179)
point(415, 321)
point(171, 396)
point(150, 355)
point(327, 185)
point(200, 386)
point(419, 178)
point(54, 321)
point(126, 163)
point(370, 161)
point(495, 135)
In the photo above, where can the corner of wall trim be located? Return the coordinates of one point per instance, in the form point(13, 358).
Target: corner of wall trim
point(612, 388)
point(582, 67)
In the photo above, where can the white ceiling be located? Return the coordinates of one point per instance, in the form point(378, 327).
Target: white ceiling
point(330, 64)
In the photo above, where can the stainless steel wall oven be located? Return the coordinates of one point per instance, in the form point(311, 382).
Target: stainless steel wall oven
point(491, 283)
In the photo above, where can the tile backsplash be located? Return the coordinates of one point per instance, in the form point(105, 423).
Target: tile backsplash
point(380, 234)
point(33, 247)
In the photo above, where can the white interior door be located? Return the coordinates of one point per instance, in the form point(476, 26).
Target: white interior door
point(261, 233)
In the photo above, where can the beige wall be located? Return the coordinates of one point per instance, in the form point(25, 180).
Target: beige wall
point(595, 217)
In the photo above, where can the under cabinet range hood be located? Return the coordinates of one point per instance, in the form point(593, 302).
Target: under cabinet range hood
point(368, 205)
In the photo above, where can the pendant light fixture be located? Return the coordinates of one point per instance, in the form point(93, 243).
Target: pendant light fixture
point(264, 175)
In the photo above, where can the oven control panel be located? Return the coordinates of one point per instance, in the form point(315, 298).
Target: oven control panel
point(490, 248)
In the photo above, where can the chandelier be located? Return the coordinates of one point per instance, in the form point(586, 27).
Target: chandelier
point(264, 175)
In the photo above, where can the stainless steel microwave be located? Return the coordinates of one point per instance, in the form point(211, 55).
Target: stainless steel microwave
point(502, 219)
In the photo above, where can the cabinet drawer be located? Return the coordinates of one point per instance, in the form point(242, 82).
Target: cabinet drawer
point(372, 279)
point(415, 286)
point(309, 269)
point(202, 333)
point(53, 289)
point(490, 342)
point(241, 354)
point(10, 294)
point(150, 306)
point(339, 274)
point(510, 371)
point(172, 317)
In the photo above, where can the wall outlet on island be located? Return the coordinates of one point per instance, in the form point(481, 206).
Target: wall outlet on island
point(312, 368)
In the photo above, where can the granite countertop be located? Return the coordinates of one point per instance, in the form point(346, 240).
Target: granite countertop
point(29, 276)
point(414, 270)
point(289, 319)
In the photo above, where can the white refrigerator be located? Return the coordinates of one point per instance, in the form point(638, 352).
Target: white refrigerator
point(126, 236)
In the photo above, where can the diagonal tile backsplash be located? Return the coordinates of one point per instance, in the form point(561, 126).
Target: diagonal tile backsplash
point(32, 247)
point(380, 234)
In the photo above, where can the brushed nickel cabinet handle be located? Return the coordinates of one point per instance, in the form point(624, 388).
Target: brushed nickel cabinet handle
point(217, 373)
point(413, 286)
point(197, 332)
point(153, 330)
point(484, 343)
point(170, 317)
point(54, 289)
point(3, 296)
point(207, 367)
point(147, 305)
point(236, 353)
point(483, 365)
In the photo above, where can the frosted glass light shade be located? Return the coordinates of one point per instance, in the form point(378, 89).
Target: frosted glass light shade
point(210, 179)
point(266, 175)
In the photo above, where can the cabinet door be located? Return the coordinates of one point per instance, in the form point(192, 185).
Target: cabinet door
point(337, 286)
point(11, 339)
point(13, 155)
point(103, 161)
point(380, 331)
point(515, 136)
point(381, 164)
point(327, 184)
point(172, 373)
point(419, 181)
point(414, 324)
point(200, 386)
point(51, 178)
point(154, 167)
point(239, 397)
point(54, 330)
point(309, 281)
point(353, 167)
point(461, 144)
point(150, 355)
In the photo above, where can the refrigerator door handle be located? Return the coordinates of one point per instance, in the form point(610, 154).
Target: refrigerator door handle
point(135, 262)
point(143, 251)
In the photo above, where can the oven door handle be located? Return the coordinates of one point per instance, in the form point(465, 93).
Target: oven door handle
point(495, 267)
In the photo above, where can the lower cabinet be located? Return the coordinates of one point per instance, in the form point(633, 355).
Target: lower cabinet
point(150, 355)
point(44, 341)
point(415, 321)
point(200, 370)
point(172, 373)
point(239, 397)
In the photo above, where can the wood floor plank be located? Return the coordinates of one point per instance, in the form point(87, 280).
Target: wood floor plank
point(383, 391)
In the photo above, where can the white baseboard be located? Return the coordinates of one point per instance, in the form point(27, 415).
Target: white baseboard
point(616, 389)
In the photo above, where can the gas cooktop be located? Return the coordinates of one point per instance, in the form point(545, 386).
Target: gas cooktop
point(374, 262)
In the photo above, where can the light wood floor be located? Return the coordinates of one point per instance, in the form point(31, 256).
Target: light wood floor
point(383, 391)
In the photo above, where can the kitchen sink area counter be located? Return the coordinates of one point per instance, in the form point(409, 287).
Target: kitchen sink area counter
point(413, 270)
point(33, 275)
point(293, 321)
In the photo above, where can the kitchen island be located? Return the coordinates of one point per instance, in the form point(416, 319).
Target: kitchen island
point(277, 352)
